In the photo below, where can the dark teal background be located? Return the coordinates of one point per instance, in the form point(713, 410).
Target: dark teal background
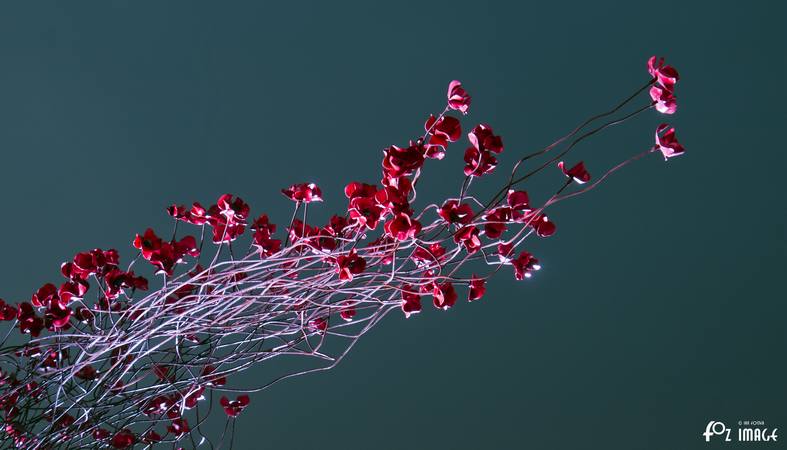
point(661, 304)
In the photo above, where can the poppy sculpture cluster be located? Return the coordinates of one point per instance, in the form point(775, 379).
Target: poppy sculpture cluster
point(104, 360)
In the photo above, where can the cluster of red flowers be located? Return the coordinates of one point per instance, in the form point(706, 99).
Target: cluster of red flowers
point(491, 233)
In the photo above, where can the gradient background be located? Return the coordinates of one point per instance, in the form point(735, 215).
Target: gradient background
point(661, 305)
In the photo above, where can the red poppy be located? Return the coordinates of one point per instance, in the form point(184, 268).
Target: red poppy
point(402, 227)
point(165, 255)
point(504, 251)
point(477, 288)
point(393, 200)
point(468, 237)
point(453, 212)
point(116, 280)
point(100, 434)
point(365, 211)
point(443, 130)
point(479, 163)
point(524, 265)
point(211, 379)
point(303, 192)
point(193, 397)
point(398, 162)
point(667, 76)
point(319, 324)
point(578, 172)
point(348, 310)
point(667, 142)
point(458, 99)
point(179, 427)
point(151, 437)
point(57, 316)
point(29, 322)
point(44, 295)
point(234, 407)
point(196, 215)
point(7, 311)
point(123, 439)
point(261, 238)
point(664, 99)
point(424, 256)
point(518, 200)
point(444, 295)
point(357, 189)
point(483, 138)
point(542, 225)
point(349, 265)
point(496, 220)
point(411, 301)
point(228, 218)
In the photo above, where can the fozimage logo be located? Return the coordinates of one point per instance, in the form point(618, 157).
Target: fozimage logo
point(747, 431)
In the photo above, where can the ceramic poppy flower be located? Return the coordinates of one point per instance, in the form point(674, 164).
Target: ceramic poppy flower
point(458, 99)
point(100, 434)
point(349, 265)
point(57, 316)
point(228, 218)
point(467, 236)
point(234, 207)
point(504, 252)
point(348, 310)
point(482, 137)
point(148, 243)
point(365, 212)
point(123, 439)
point(196, 215)
point(518, 200)
point(664, 100)
point(442, 131)
point(71, 290)
point(666, 75)
point(44, 295)
point(261, 238)
point(212, 379)
point(398, 162)
point(193, 397)
point(478, 163)
point(179, 426)
point(358, 189)
point(117, 280)
point(444, 295)
point(303, 192)
point(496, 220)
point(425, 256)
point(337, 225)
point(29, 322)
point(393, 200)
point(319, 324)
point(578, 173)
point(667, 142)
point(7, 312)
point(543, 226)
point(524, 265)
point(234, 407)
point(165, 255)
point(402, 227)
point(411, 300)
point(453, 212)
point(151, 437)
point(477, 288)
